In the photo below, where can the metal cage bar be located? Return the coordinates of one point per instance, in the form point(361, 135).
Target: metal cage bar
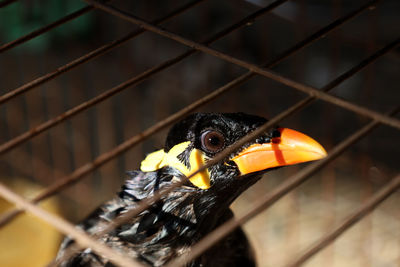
point(80, 172)
point(84, 240)
point(281, 191)
point(133, 81)
point(87, 57)
point(252, 67)
point(44, 29)
point(139, 138)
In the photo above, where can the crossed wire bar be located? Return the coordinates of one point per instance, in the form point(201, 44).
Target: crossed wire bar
point(80, 172)
point(253, 70)
point(77, 174)
point(157, 196)
point(124, 146)
point(252, 67)
point(220, 233)
point(83, 59)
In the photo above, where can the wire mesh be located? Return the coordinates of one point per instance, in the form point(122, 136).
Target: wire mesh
point(67, 146)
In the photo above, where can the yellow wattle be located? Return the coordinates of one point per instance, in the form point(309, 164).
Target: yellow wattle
point(201, 179)
point(152, 161)
point(159, 159)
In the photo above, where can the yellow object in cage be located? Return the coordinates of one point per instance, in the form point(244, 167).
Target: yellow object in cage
point(27, 240)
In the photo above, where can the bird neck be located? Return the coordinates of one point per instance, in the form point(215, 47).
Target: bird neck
point(187, 213)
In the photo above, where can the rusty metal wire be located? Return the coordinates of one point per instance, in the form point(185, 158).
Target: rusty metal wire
point(253, 70)
point(355, 217)
point(75, 63)
point(149, 201)
point(287, 186)
point(252, 67)
point(220, 233)
point(44, 29)
point(270, 198)
point(102, 159)
point(5, 147)
point(248, 138)
point(133, 81)
point(83, 239)
point(82, 171)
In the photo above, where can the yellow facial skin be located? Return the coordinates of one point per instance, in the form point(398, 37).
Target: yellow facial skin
point(159, 159)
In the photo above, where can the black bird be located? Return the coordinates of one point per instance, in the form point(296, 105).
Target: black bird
point(191, 211)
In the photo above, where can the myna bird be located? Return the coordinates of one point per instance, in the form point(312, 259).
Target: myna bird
point(193, 210)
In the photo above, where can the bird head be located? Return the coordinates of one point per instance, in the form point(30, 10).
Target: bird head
point(198, 138)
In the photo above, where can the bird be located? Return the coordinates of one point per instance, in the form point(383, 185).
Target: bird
point(188, 213)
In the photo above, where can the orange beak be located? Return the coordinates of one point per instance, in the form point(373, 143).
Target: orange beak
point(290, 148)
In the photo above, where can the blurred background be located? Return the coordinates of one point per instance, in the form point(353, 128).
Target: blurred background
point(289, 226)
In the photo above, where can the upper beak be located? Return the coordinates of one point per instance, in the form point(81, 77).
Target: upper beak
point(290, 148)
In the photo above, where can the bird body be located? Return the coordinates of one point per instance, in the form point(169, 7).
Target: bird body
point(164, 231)
point(184, 216)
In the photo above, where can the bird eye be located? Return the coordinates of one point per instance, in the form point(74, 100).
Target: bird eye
point(212, 141)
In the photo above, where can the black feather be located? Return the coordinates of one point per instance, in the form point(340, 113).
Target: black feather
point(185, 215)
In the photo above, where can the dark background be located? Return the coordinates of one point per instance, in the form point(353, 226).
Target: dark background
point(300, 217)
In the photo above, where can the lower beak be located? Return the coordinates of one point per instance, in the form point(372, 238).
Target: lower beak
point(290, 148)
